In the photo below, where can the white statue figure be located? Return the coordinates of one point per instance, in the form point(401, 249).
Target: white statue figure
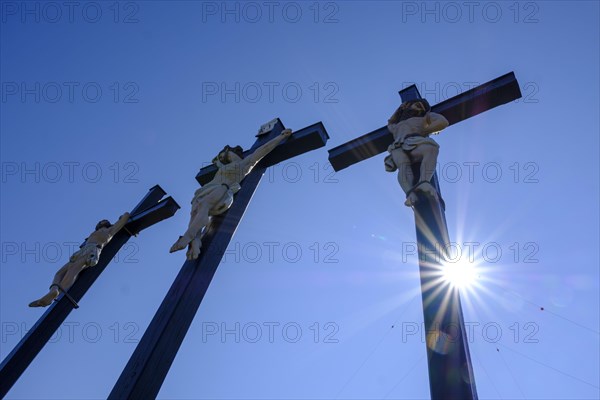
point(216, 197)
point(87, 256)
point(411, 125)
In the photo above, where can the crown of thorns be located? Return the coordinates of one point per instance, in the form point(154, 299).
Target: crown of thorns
point(103, 224)
point(409, 103)
point(237, 150)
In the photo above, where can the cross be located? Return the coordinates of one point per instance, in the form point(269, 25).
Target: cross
point(149, 211)
point(148, 366)
point(450, 371)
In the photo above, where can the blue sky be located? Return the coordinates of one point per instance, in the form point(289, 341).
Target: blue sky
point(103, 100)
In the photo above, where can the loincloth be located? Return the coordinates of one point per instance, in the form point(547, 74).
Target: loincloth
point(89, 254)
point(407, 144)
point(224, 201)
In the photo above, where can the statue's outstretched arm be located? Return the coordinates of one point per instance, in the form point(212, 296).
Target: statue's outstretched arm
point(251, 160)
point(121, 222)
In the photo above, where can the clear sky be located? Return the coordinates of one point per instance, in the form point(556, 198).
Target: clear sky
point(318, 296)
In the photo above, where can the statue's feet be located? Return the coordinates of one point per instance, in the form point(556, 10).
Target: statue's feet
point(193, 251)
point(180, 244)
point(423, 187)
point(427, 189)
point(411, 200)
point(44, 301)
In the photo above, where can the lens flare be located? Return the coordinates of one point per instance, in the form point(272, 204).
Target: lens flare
point(459, 275)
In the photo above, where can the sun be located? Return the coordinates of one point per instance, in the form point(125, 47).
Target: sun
point(459, 275)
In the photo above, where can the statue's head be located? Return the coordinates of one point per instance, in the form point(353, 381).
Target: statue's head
point(228, 155)
point(411, 108)
point(103, 224)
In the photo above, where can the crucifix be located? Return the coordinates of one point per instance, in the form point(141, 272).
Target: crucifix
point(449, 363)
point(149, 211)
point(148, 366)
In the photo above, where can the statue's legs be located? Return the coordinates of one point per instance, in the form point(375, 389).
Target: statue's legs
point(427, 154)
point(406, 178)
point(199, 218)
point(54, 292)
point(72, 273)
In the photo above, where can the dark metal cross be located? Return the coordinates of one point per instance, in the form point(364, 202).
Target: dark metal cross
point(149, 211)
point(148, 366)
point(450, 370)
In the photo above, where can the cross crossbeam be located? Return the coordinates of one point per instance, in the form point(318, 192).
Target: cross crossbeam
point(303, 140)
point(458, 108)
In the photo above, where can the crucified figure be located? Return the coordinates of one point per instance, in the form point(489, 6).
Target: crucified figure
point(411, 125)
point(87, 256)
point(216, 197)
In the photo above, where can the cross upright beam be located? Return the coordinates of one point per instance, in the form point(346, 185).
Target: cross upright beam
point(147, 368)
point(448, 359)
point(149, 211)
